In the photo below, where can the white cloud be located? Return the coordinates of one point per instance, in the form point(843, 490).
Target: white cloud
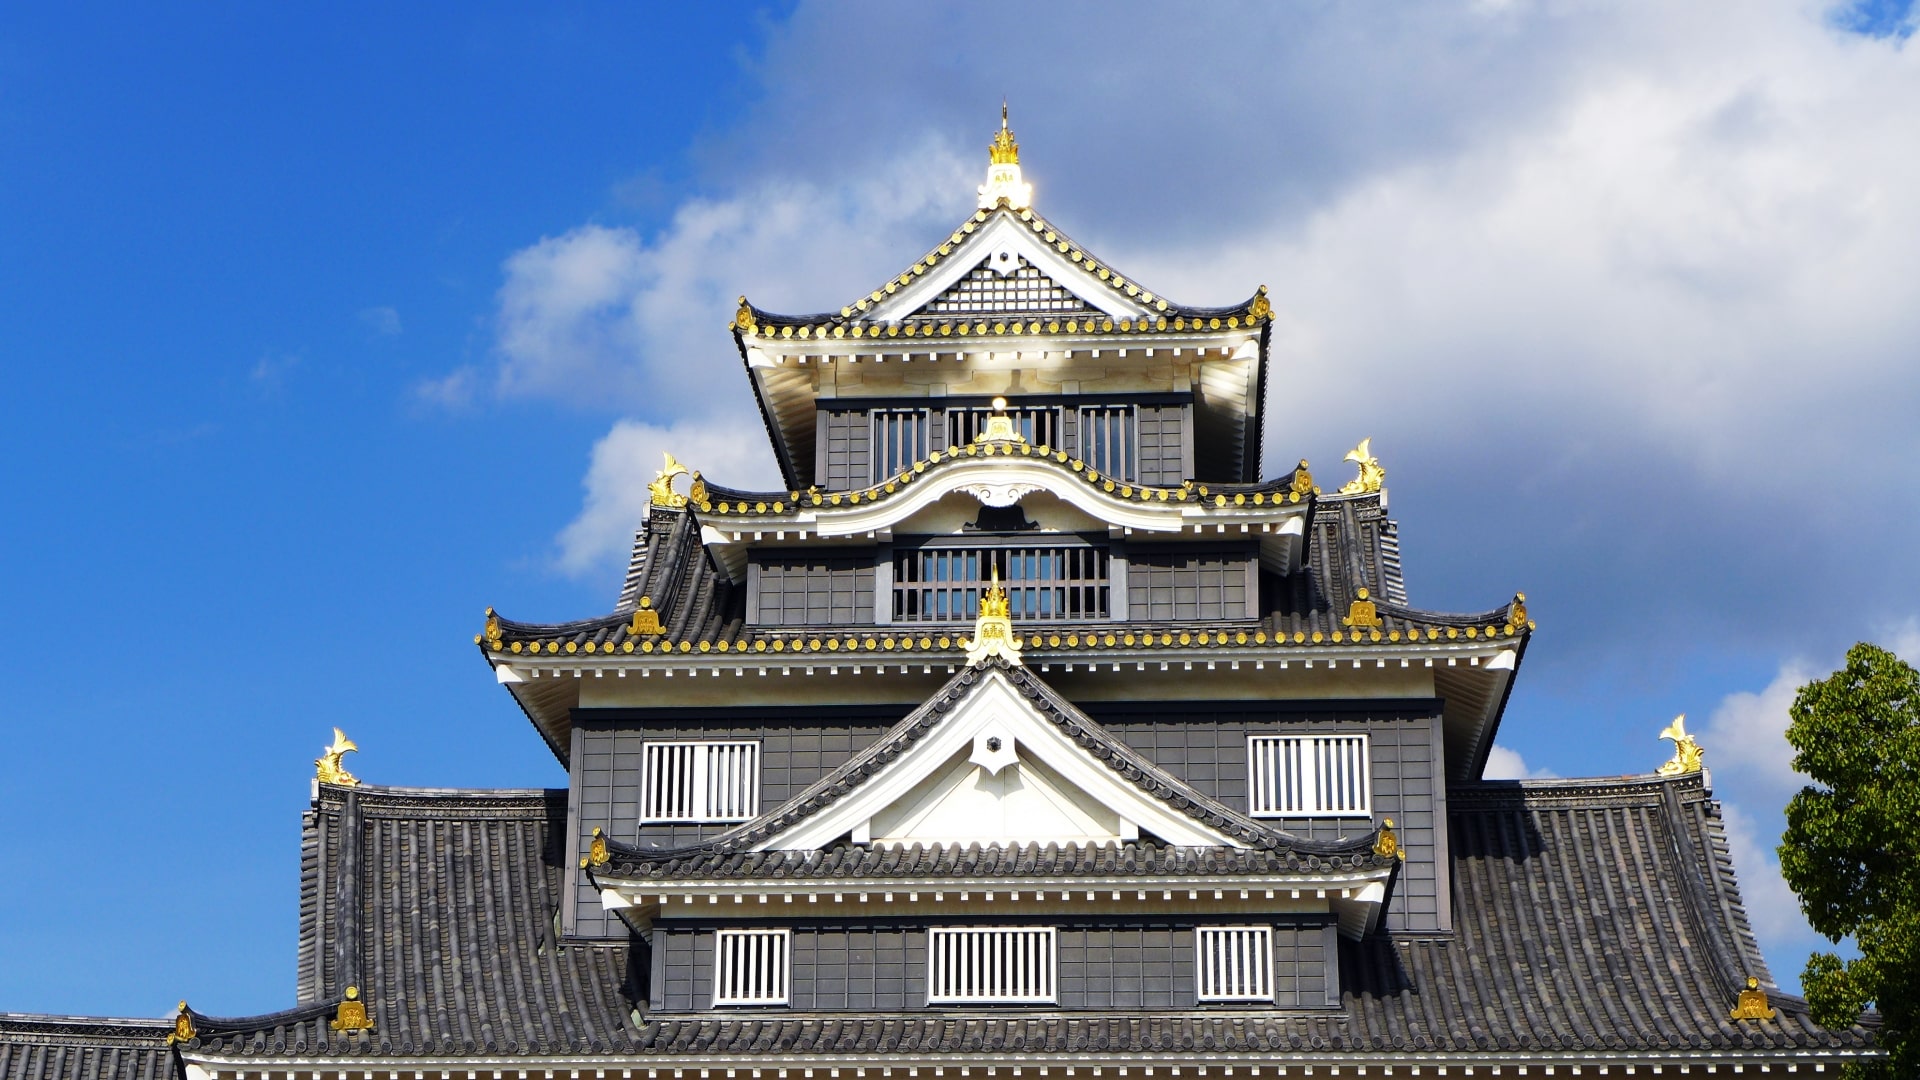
point(1746, 739)
point(383, 321)
point(1506, 764)
point(1903, 639)
point(1772, 908)
point(626, 459)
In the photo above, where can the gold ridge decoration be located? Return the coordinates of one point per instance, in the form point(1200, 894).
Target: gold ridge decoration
point(1517, 614)
point(1387, 844)
point(1753, 1003)
point(1686, 752)
point(697, 490)
point(182, 1027)
point(646, 621)
point(993, 630)
point(490, 633)
point(1004, 150)
point(1303, 482)
point(1000, 427)
point(1261, 308)
point(597, 854)
point(327, 767)
point(1004, 186)
point(1362, 611)
point(1371, 477)
point(352, 1013)
point(743, 319)
point(660, 492)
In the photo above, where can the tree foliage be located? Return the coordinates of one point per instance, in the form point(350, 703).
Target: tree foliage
point(1852, 847)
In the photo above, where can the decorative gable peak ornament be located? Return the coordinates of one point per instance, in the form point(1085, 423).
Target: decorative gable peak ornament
point(993, 630)
point(1004, 186)
point(993, 751)
point(327, 767)
point(1000, 427)
point(1686, 752)
point(1362, 611)
point(1753, 1003)
point(1372, 477)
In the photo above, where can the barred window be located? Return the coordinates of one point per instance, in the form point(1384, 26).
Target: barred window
point(1039, 425)
point(899, 440)
point(990, 963)
point(699, 781)
point(1308, 776)
point(1106, 441)
point(1235, 963)
point(751, 966)
point(1043, 583)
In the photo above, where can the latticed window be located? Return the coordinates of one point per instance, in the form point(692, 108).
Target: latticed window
point(751, 966)
point(1107, 442)
point(986, 290)
point(699, 781)
point(1039, 426)
point(1308, 776)
point(1045, 583)
point(899, 440)
point(990, 963)
point(1235, 963)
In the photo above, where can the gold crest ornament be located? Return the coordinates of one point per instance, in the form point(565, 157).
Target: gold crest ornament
point(1303, 481)
point(1517, 613)
point(1387, 844)
point(999, 427)
point(697, 490)
point(491, 632)
point(1371, 477)
point(182, 1027)
point(1753, 1003)
point(352, 1013)
point(1004, 186)
point(1362, 612)
point(327, 767)
point(743, 319)
point(660, 492)
point(597, 854)
point(993, 630)
point(1261, 308)
point(646, 621)
point(1686, 752)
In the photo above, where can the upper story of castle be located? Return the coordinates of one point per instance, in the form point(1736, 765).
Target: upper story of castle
point(1012, 407)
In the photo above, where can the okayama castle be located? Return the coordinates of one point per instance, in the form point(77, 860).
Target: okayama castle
point(1027, 733)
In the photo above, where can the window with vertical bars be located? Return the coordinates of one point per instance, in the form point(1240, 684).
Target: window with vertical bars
point(1042, 583)
point(751, 966)
point(699, 781)
point(990, 963)
point(1235, 963)
point(1308, 776)
point(1039, 426)
point(1107, 443)
point(899, 440)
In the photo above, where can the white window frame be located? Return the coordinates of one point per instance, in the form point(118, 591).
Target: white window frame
point(1268, 758)
point(766, 953)
point(738, 802)
point(1010, 949)
point(1242, 958)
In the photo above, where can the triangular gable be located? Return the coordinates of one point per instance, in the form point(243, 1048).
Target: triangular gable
point(1005, 286)
point(1002, 244)
point(989, 755)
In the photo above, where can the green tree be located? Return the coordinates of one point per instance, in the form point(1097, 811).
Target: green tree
point(1852, 847)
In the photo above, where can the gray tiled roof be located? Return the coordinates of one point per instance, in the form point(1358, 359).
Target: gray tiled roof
point(1592, 916)
point(927, 862)
point(84, 1048)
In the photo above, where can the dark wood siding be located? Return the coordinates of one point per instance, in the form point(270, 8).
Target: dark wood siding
point(1102, 964)
point(1185, 585)
point(1164, 458)
point(814, 589)
point(845, 461)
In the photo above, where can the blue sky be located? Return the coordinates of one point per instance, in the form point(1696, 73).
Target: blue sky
point(325, 328)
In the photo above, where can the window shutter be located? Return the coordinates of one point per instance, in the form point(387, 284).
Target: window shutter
point(1308, 776)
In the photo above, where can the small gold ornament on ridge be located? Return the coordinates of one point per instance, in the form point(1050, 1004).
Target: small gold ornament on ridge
point(1686, 752)
point(352, 1013)
point(327, 767)
point(660, 492)
point(1371, 477)
point(993, 630)
point(1753, 1003)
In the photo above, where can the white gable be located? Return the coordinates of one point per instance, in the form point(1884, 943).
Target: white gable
point(1004, 287)
point(1001, 246)
point(994, 769)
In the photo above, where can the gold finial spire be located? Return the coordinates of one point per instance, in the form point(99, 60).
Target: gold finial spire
point(1004, 150)
point(993, 631)
point(1004, 186)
